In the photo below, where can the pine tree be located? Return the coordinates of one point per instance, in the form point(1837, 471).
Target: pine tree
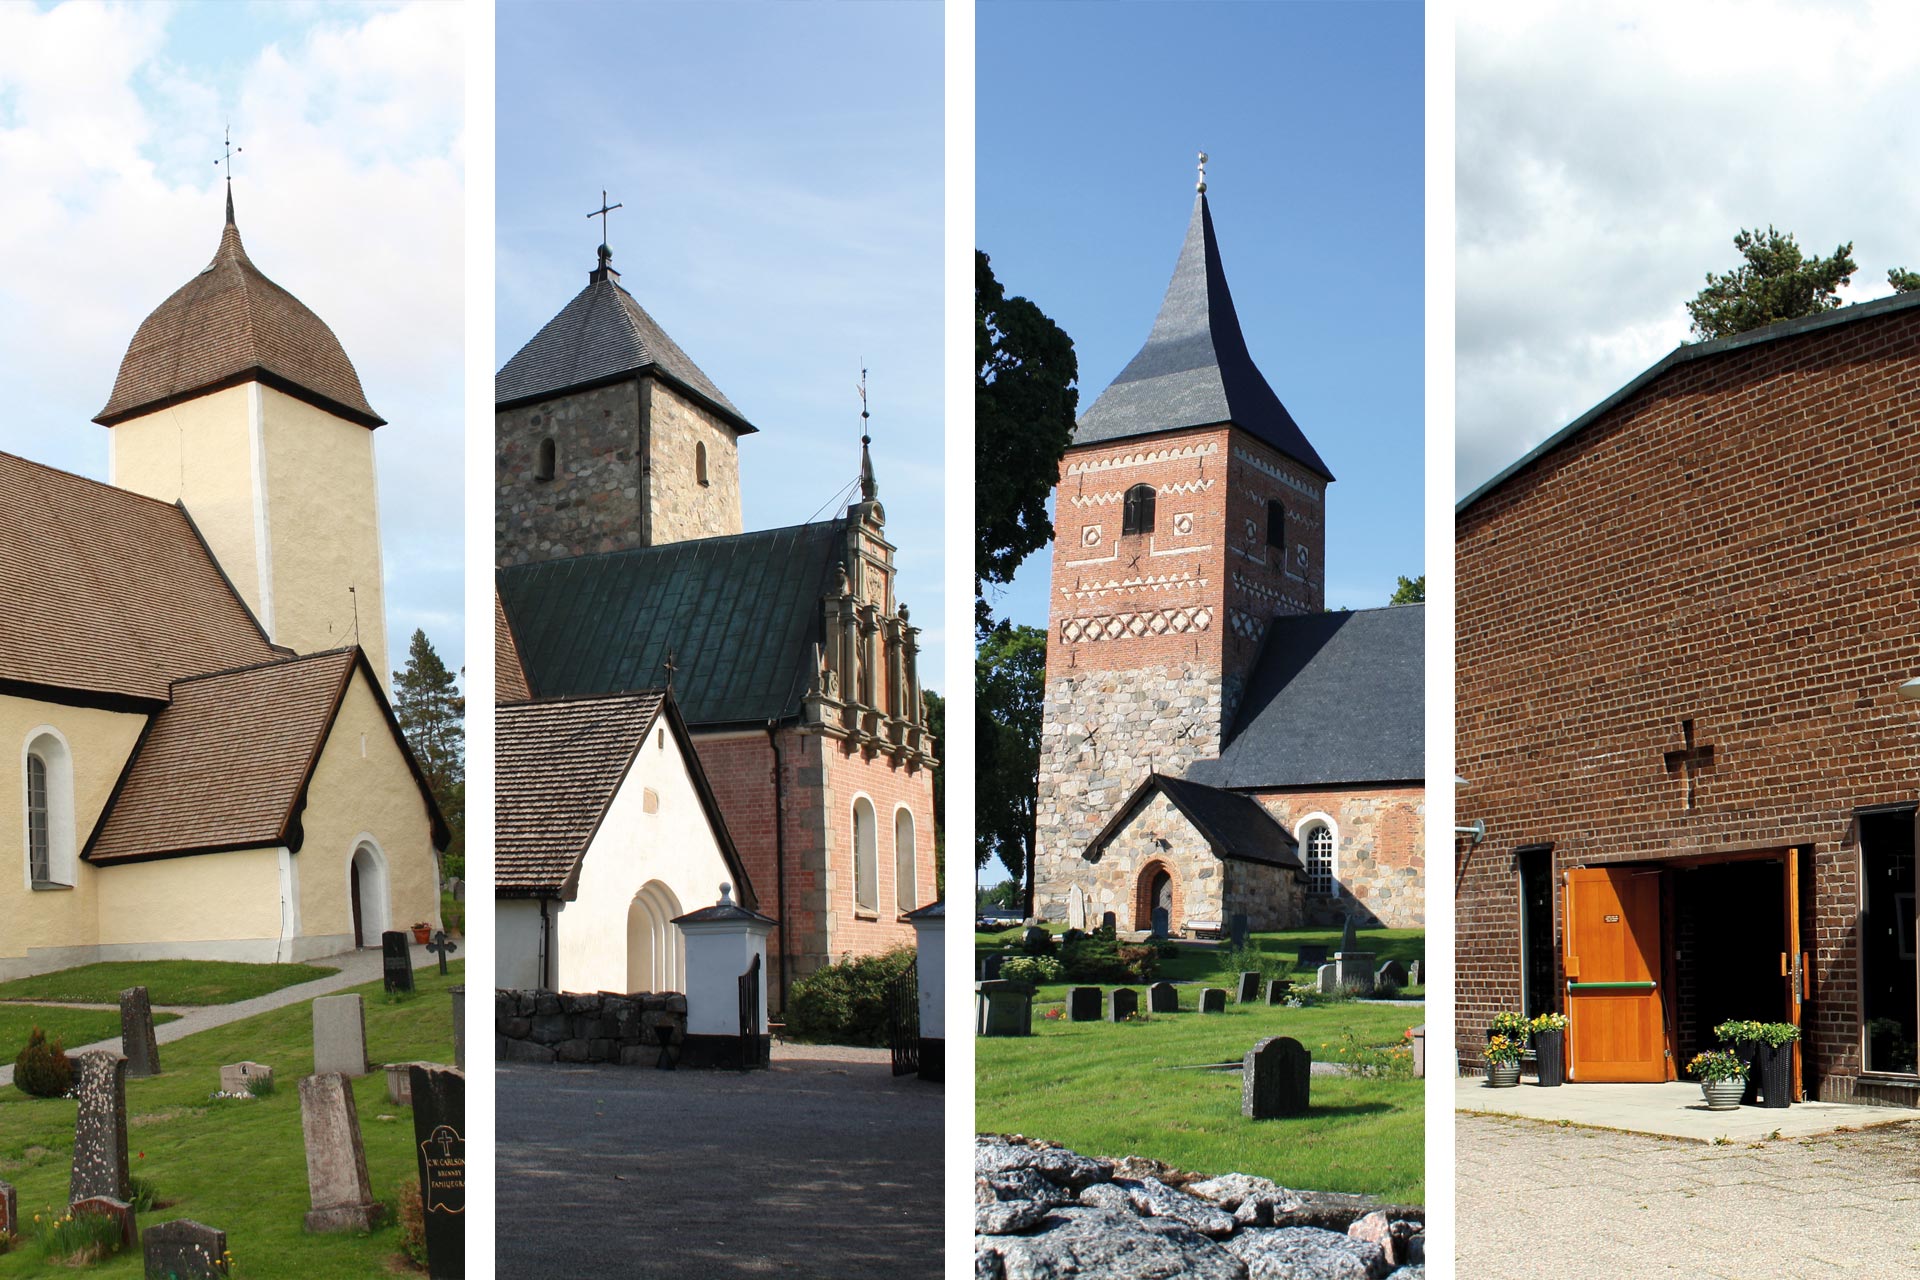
point(432, 714)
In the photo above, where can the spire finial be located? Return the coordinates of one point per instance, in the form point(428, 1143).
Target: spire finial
point(601, 213)
point(869, 488)
point(1201, 185)
point(226, 158)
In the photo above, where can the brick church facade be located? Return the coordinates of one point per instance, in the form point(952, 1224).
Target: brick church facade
point(1214, 743)
point(1683, 627)
point(624, 566)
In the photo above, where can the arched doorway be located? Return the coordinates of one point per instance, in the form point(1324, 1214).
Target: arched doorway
point(656, 950)
point(367, 892)
point(1156, 888)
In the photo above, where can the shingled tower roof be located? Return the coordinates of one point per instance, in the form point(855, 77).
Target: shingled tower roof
point(228, 325)
point(1194, 370)
point(601, 337)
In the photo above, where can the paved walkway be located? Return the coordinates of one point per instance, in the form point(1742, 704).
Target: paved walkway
point(356, 968)
point(1535, 1200)
point(826, 1165)
point(1674, 1110)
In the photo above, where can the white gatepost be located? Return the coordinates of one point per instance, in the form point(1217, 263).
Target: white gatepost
point(724, 942)
point(930, 943)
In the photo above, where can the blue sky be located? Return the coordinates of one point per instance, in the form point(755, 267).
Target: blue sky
point(1089, 118)
point(349, 194)
point(781, 168)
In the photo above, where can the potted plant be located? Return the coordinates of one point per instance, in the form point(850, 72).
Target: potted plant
point(1773, 1061)
point(1722, 1077)
point(1503, 1062)
point(1742, 1038)
point(1549, 1032)
point(422, 932)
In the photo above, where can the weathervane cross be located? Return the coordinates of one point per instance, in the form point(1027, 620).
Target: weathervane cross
point(1201, 186)
point(226, 157)
point(602, 212)
point(864, 415)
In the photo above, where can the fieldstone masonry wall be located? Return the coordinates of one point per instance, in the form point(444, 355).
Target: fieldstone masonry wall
point(1379, 858)
point(684, 508)
point(544, 1026)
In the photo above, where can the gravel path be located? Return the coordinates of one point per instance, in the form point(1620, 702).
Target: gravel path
point(1589, 1204)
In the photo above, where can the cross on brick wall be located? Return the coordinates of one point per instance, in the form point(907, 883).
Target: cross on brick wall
point(1690, 760)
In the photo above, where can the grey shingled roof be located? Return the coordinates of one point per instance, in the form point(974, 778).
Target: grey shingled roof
point(1194, 370)
point(601, 336)
point(1234, 826)
point(1334, 698)
point(739, 616)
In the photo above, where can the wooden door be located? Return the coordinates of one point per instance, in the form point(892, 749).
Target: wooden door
point(353, 890)
point(1793, 961)
point(1615, 1008)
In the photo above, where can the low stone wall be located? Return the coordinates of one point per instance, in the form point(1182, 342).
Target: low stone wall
point(547, 1026)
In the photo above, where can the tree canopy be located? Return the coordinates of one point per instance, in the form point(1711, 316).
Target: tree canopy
point(432, 714)
point(1410, 590)
point(1776, 282)
point(1024, 404)
point(936, 712)
point(1903, 280)
point(1010, 679)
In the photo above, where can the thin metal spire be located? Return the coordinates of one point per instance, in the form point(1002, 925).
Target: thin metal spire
point(601, 213)
point(1201, 185)
point(869, 488)
point(226, 158)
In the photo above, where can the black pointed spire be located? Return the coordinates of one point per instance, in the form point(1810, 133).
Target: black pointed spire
point(869, 487)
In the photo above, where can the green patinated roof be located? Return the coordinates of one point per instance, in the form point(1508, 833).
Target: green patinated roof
point(738, 615)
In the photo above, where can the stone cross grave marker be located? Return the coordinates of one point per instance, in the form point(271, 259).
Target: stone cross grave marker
point(336, 1160)
point(136, 1033)
point(1278, 989)
point(396, 960)
point(1213, 1000)
point(1122, 1004)
point(9, 1210)
point(1083, 1004)
point(119, 1212)
point(1275, 1079)
point(1249, 988)
point(240, 1077)
point(339, 1035)
point(459, 994)
point(439, 1136)
point(442, 946)
point(1160, 922)
point(184, 1250)
point(1163, 998)
point(1238, 930)
point(100, 1128)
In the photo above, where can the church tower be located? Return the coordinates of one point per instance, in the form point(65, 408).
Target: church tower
point(237, 402)
point(609, 436)
point(1189, 513)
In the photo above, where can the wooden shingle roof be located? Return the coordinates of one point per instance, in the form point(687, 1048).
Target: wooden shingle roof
point(509, 677)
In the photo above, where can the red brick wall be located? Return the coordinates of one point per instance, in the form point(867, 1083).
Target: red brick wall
point(1736, 544)
point(889, 786)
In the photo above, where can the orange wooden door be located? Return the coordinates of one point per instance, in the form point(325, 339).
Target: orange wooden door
point(1793, 962)
point(1616, 1016)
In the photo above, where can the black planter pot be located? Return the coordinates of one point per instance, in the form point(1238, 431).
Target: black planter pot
point(1550, 1057)
point(1748, 1051)
point(1774, 1068)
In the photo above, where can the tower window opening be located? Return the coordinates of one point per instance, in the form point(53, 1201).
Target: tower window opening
point(543, 468)
point(700, 462)
point(1137, 513)
point(1277, 525)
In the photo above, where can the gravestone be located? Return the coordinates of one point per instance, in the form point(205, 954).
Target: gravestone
point(1238, 931)
point(184, 1250)
point(9, 1211)
point(1274, 1079)
point(1003, 1007)
point(1392, 971)
point(1353, 970)
point(1162, 998)
point(1083, 1004)
point(119, 1212)
point(1160, 922)
point(396, 960)
point(1311, 956)
point(1076, 907)
point(1417, 973)
point(1072, 935)
point(1278, 989)
point(400, 1082)
point(1249, 988)
point(1109, 922)
point(1213, 1000)
point(1327, 978)
point(1420, 1052)
point(1036, 939)
point(240, 1077)
point(441, 947)
point(459, 995)
point(990, 967)
point(336, 1160)
point(136, 1033)
point(1122, 1004)
point(1349, 936)
point(439, 1136)
point(100, 1128)
point(339, 1035)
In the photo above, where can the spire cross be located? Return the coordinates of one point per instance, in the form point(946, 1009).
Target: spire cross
point(864, 415)
point(1201, 186)
point(602, 212)
point(670, 666)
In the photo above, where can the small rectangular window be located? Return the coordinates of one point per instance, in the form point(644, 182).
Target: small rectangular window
point(1277, 525)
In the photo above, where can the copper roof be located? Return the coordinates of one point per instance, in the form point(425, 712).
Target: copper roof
point(227, 325)
point(509, 677)
point(109, 594)
point(558, 765)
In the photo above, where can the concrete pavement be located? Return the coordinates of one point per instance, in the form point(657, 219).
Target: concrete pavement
point(1673, 1110)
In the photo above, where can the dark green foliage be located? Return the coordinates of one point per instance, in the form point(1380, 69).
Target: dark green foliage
point(1777, 282)
point(1037, 945)
point(146, 1197)
point(1098, 958)
point(1903, 280)
point(846, 1003)
point(1410, 591)
point(1010, 680)
point(1004, 894)
point(936, 713)
point(432, 714)
point(43, 1070)
point(1024, 400)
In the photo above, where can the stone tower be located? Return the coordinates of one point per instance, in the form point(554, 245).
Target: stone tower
point(237, 402)
point(609, 437)
point(1190, 511)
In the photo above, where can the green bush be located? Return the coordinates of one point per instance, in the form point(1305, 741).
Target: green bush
point(846, 1003)
point(145, 1196)
point(1034, 969)
point(1098, 958)
point(43, 1070)
point(1251, 959)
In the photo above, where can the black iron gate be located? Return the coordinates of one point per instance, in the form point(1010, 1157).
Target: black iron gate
point(903, 1021)
point(753, 1047)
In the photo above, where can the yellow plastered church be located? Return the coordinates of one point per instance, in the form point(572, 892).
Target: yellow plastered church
point(204, 761)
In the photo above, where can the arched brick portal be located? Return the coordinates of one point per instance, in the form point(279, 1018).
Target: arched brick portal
point(1143, 895)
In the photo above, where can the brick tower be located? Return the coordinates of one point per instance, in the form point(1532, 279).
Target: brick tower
point(1190, 511)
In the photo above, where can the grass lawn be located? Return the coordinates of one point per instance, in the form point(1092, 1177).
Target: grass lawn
point(1206, 962)
point(453, 915)
point(241, 1166)
point(166, 981)
point(72, 1027)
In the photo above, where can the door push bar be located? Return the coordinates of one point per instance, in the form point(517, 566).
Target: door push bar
point(1612, 986)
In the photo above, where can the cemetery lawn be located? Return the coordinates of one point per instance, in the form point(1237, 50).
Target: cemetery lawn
point(71, 1027)
point(177, 982)
point(1207, 962)
point(241, 1166)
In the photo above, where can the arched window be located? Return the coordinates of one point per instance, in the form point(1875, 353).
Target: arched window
point(866, 859)
point(700, 462)
point(905, 891)
point(1319, 850)
point(543, 469)
point(47, 780)
point(1276, 524)
point(1136, 515)
point(656, 949)
point(39, 840)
